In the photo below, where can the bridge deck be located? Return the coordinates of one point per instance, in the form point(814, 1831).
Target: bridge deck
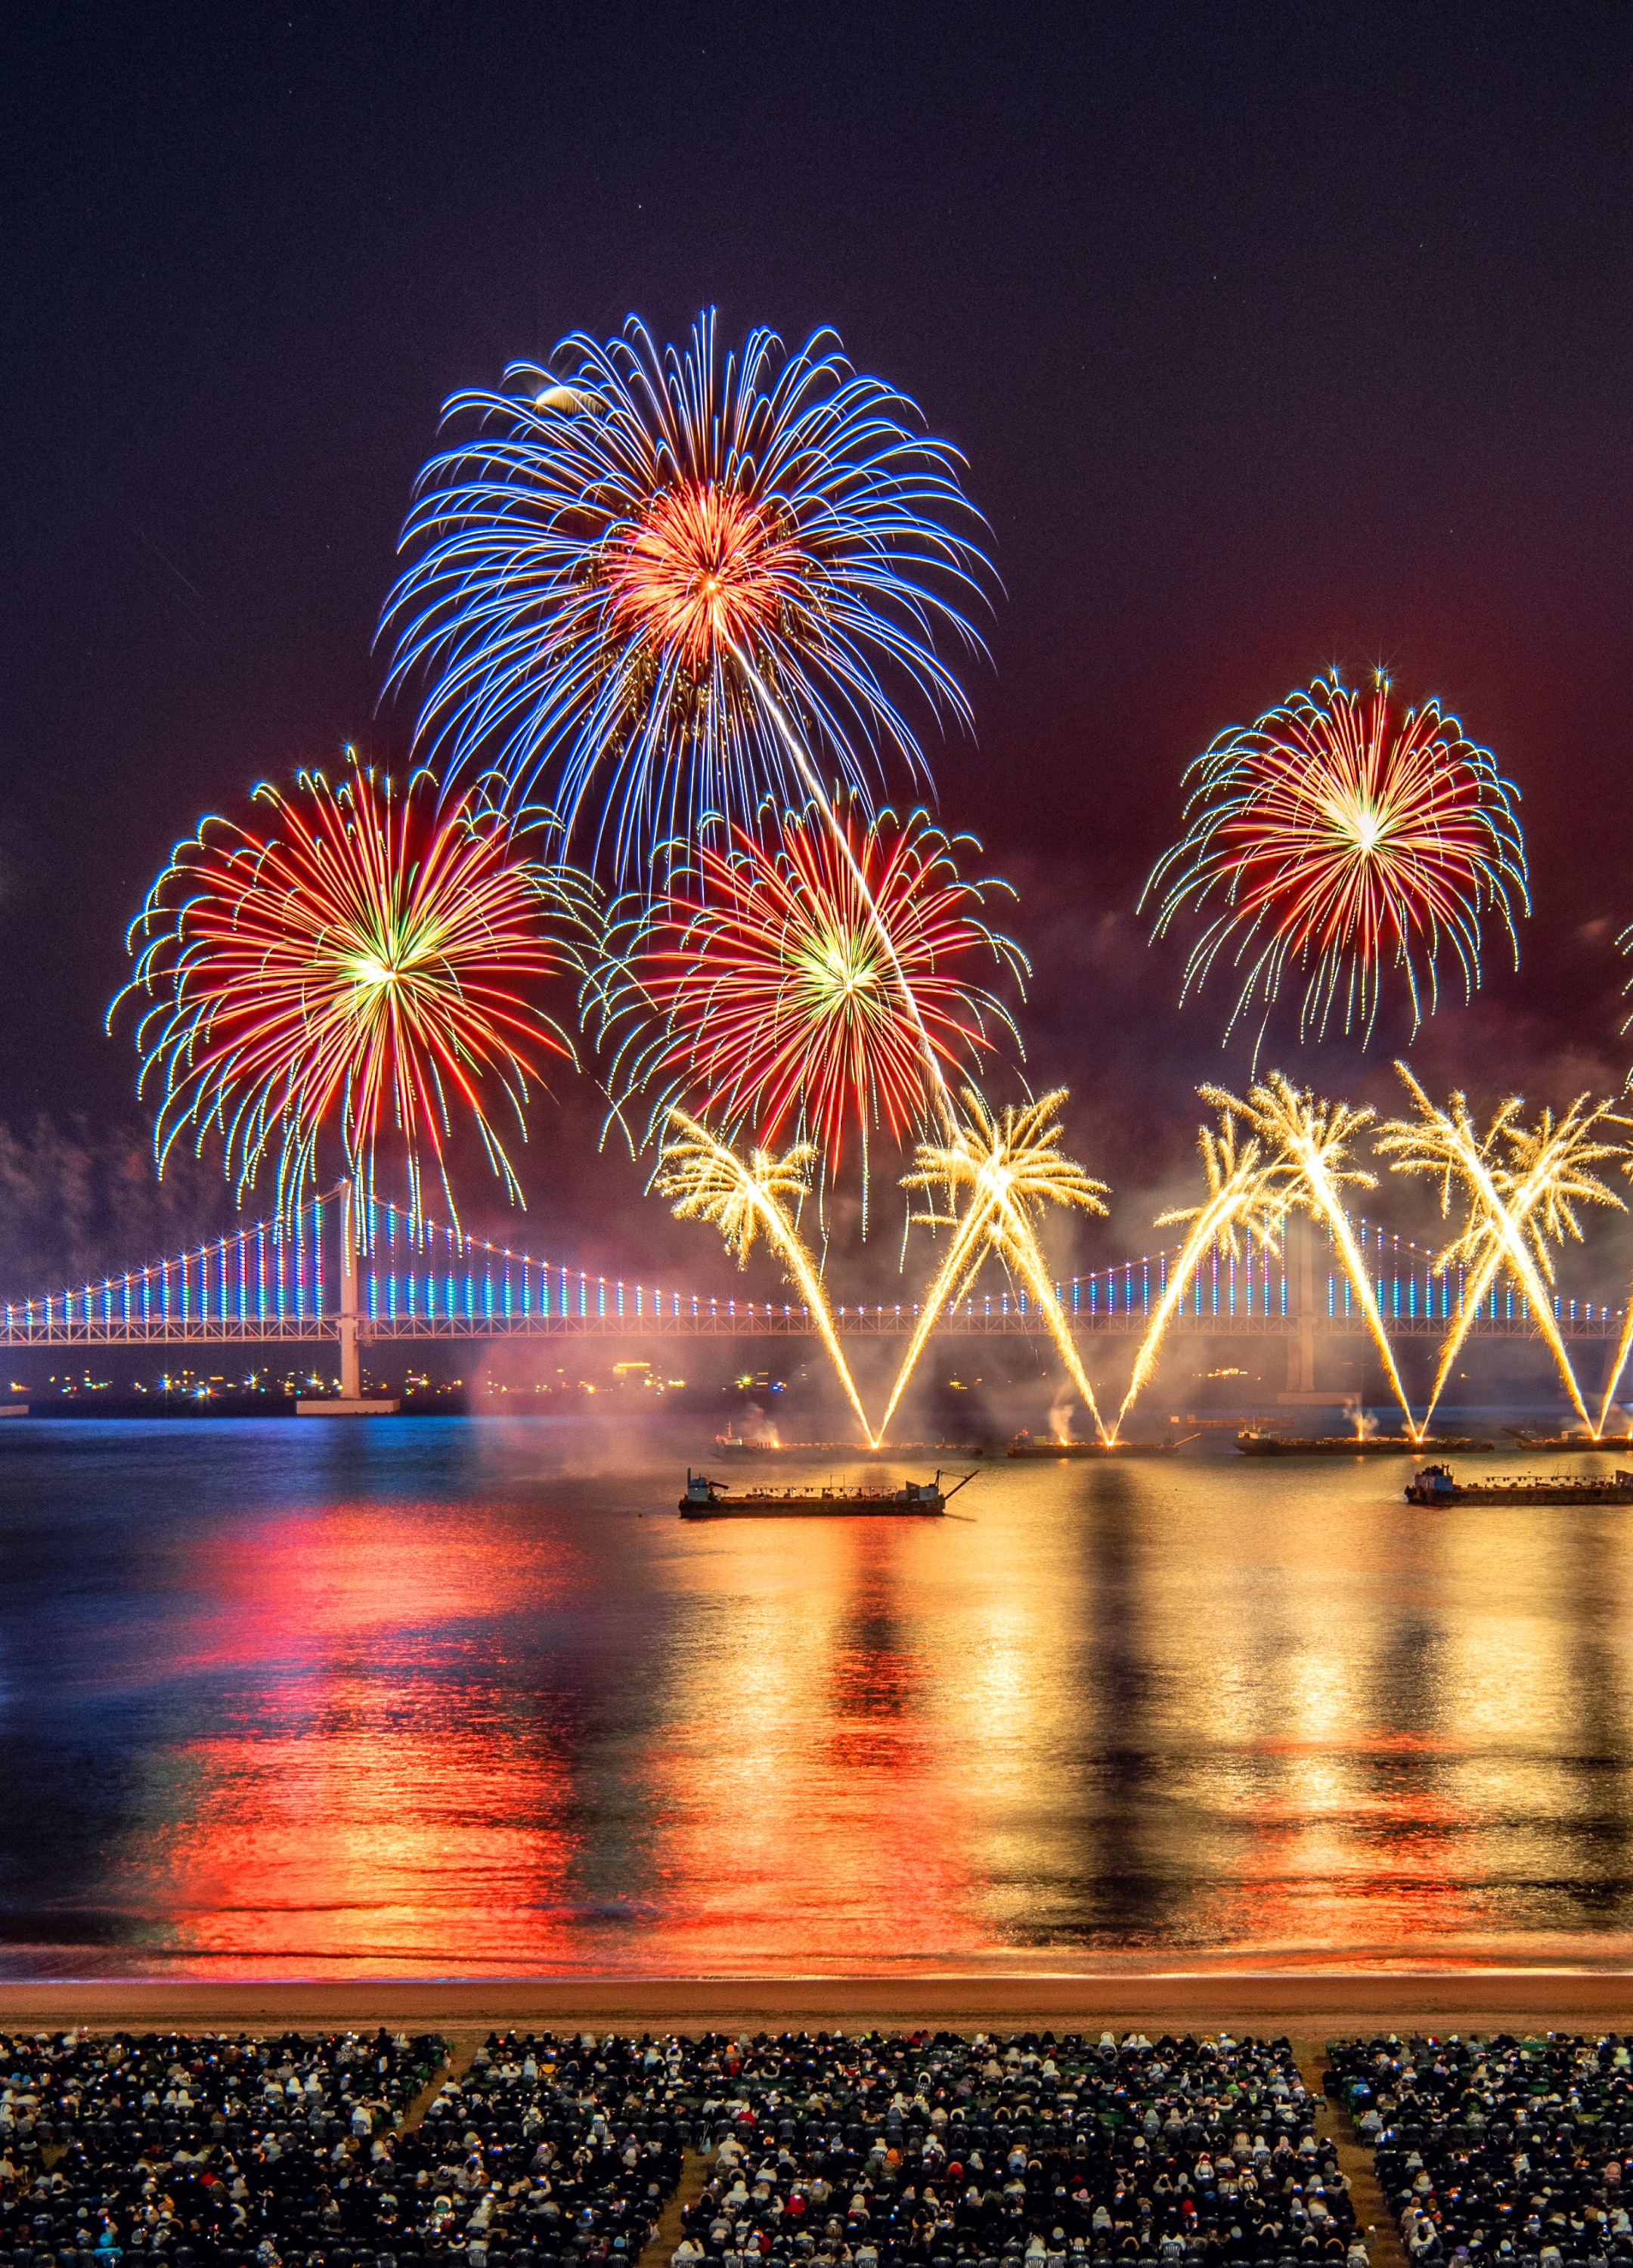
point(364, 1273)
point(741, 1320)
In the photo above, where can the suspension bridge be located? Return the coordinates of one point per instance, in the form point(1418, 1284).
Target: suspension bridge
point(358, 1273)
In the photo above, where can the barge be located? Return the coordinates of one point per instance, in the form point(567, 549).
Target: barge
point(1351, 1445)
point(711, 1500)
point(1038, 1445)
point(1568, 1444)
point(1434, 1486)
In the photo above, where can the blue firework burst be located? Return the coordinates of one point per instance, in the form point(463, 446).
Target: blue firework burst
point(651, 584)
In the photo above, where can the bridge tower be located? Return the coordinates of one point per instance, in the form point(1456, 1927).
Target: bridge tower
point(350, 1367)
point(350, 1402)
point(1301, 1308)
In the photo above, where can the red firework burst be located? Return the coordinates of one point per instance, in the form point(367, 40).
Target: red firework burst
point(703, 572)
point(794, 986)
point(363, 969)
point(1333, 837)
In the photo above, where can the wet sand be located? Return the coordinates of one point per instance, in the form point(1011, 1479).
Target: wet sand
point(1308, 2006)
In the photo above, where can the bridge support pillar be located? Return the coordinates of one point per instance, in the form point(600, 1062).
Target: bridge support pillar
point(350, 1367)
point(351, 1402)
point(1300, 1265)
point(1301, 1357)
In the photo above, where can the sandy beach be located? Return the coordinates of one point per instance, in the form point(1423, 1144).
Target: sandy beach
point(1307, 2006)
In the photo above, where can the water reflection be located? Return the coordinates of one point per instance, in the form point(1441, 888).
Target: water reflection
point(373, 1727)
point(805, 1788)
point(455, 1697)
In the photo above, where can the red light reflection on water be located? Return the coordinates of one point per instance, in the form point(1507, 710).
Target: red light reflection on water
point(381, 1793)
point(1349, 1858)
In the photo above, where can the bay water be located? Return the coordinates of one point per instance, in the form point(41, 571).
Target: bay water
point(465, 1696)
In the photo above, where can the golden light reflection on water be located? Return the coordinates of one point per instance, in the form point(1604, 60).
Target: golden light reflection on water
point(507, 1713)
point(801, 1765)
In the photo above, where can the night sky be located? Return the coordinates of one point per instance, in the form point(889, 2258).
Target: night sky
point(1275, 338)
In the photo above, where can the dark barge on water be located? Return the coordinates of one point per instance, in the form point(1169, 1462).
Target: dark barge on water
point(1435, 1485)
point(1568, 1444)
point(1042, 1444)
point(1351, 1444)
point(710, 1500)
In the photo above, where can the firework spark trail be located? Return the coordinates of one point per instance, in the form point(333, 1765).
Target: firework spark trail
point(588, 565)
point(1314, 1137)
point(1479, 1282)
point(1558, 1154)
point(776, 1002)
point(709, 1181)
point(1328, 838)
point(1475, 1286)
point(1549, 1175)
point(1017, 1240)
point(1242, 1192)
point(1011, 1165)
point(1445, 1142)
point(1474, 1289)
point(963, 1257)
point(1625, 1347)
point(367, 963)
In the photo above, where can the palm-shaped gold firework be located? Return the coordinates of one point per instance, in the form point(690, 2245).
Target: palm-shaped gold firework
point(1009, 1161)
point(1007, 1167)
point(711, 1183)
point(1522, 1185)
point(1313, 1137)
point(1551, 1158)
point(708, 1181)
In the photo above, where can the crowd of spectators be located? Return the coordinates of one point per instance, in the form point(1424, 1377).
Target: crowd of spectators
point(1498, 2149)
point(213, 2151)
point(812, 2150)
point(889, 2151)
point(203, 2150)
point(818, 2150)
point(551, 2148)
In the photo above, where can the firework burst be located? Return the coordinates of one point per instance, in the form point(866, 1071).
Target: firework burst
point(1314, 1139)
point(1523, 1185)
point(798, 984)
point(1337, 840)
point(362, 969)
point(642, 561)
point(709, 1181)
point(997, 1172)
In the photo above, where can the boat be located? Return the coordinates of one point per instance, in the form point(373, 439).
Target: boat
point(1568, 1444)
point(1260, 1444)
point(1435, 1485)
point(873, 1449)
point(1041, 1444)
point(712, 1500)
